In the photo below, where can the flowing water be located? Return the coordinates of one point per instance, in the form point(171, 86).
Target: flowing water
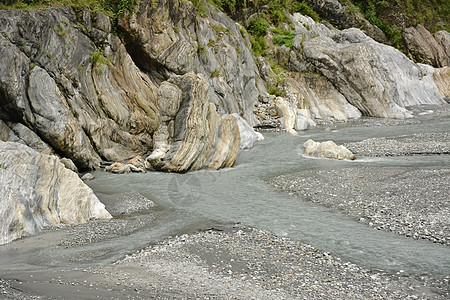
point(199, 200)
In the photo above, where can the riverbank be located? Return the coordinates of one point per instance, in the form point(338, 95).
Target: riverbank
point(410, 201)
point(227, 262)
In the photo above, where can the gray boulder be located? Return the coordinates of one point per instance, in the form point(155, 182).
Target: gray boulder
point(327, 149)
point(38, 191)
point(424, 48)
point(248, 136)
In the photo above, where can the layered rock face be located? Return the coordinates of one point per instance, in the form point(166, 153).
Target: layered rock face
point(168, 37)
point(192, 135)
point(74, 85)
point(37, 191)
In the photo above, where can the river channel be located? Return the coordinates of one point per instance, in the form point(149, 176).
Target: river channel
point(204, 199)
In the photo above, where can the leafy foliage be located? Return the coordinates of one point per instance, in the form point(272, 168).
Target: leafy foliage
point(258, 30)
point(392, 15)
point(304, 9)
point(282, 37)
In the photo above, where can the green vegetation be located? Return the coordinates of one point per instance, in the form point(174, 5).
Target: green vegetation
point(258, 30)
point(98, 59)
point(200, 7)
point(3, 166)
point(393, 16)
point(304, 9)
point(282, 37)
point(112, 8)
point(215, 73)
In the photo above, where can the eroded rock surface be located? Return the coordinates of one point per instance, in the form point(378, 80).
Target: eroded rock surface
point(37, 191)
point(425, 48)
point(192, 135)
point(74, 85)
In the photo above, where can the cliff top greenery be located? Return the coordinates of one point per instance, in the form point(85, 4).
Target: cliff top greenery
point(112, 8)
point(396, 14)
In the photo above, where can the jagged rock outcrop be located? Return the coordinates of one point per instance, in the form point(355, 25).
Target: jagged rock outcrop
point(170, 37)
point(192, 135)
point(74, 85)
point(424, 48)
point(37, 191)
point(317, 95)
point(172, 88)
point(375, 78)
point(327, 149)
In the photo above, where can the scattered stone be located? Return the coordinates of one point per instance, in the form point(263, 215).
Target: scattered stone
point(417, 144)
point(87, 176)
point(327, 149)
point(409, 202)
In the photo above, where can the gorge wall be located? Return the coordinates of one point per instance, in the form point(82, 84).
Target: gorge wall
point(176, 90)
point(74, 87)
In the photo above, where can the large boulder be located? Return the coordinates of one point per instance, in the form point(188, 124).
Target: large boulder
point(424, 48)
point(38, 191)
point(192, 135)
point(327, 149)
point(248, 136)
point(293, 118)
point(375, 78)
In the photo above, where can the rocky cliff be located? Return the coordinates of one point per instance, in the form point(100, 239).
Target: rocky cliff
point(164, 89)
point(176, 89)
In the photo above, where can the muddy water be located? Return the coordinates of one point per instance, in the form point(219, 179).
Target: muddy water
point(200, 200)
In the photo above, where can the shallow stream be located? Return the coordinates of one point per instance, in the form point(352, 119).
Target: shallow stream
point(204, 199)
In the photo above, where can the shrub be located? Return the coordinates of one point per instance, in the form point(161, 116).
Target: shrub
point(98, 59)
point(304, 9)
point(258, 27)
point(282, 37)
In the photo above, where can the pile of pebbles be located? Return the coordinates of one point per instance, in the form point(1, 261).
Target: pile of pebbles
point(410, 202)
point(266, 114)
point(417, 144)
point(247, 263)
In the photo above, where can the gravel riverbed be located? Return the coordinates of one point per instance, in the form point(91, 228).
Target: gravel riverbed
point(224, 262)
point(409, 201)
